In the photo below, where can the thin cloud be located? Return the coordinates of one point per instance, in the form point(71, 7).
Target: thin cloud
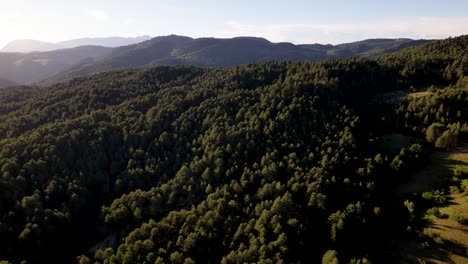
point(98, 15)
point(416, 28)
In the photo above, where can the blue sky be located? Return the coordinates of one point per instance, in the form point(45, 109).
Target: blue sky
point(298, 21)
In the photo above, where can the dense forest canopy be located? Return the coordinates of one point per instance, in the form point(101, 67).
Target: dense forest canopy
point(275, 162)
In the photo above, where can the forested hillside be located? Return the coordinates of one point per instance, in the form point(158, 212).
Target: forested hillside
point(89, 57)
point(215, 52)
point(275, 162)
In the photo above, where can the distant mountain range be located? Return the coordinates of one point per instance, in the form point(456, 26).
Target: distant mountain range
point(59, 65)
point(24, 68)
point(29, 45)
point(6, 83)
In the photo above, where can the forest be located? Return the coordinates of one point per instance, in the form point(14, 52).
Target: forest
point(84, 57)
point(274, 162)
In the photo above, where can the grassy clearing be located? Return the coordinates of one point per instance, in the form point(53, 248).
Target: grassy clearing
point(403, 95)
point(447, 234)
point(444, 239)
point(417, 95)
point(445, 169)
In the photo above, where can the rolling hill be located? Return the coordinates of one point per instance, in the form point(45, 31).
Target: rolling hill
point(105, 42)
point(24, 68)
point(213, 52)
point(6, 83)
point(29, 45)
point(60, 65)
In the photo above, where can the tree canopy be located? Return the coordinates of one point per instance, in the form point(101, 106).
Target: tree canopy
point(276, 162)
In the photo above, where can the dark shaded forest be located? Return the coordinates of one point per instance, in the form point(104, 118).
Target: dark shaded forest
point(276, 162)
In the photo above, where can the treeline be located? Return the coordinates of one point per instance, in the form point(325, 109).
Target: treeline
point(272, 163)
point(441, 114)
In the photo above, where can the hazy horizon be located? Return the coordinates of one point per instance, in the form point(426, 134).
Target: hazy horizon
point(299, 21)
point(102, 37)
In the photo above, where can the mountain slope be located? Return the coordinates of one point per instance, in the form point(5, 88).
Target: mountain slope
point(450, 48)
point(449, 56)
point(27, 45)
point(133, 56)
point(213, 52)
point(373, 47)
point(105, 42)
point(31, 67)
point(6, 83)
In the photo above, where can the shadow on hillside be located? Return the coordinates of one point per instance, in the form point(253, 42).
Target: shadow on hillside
point(441, 252)
point(450, 167)
point(439, 173)
point(432, 248)
point(444, 167)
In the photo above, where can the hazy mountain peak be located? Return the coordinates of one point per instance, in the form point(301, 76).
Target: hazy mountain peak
point(29, 45)
point(105, 42)
point(172, 38)
point(6, 83)
point(252, 39)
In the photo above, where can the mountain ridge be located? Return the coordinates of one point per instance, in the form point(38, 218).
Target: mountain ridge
point(6, 83)
point(31, 45)
point(55, 66)
point(225, 52)
point(26, 68)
